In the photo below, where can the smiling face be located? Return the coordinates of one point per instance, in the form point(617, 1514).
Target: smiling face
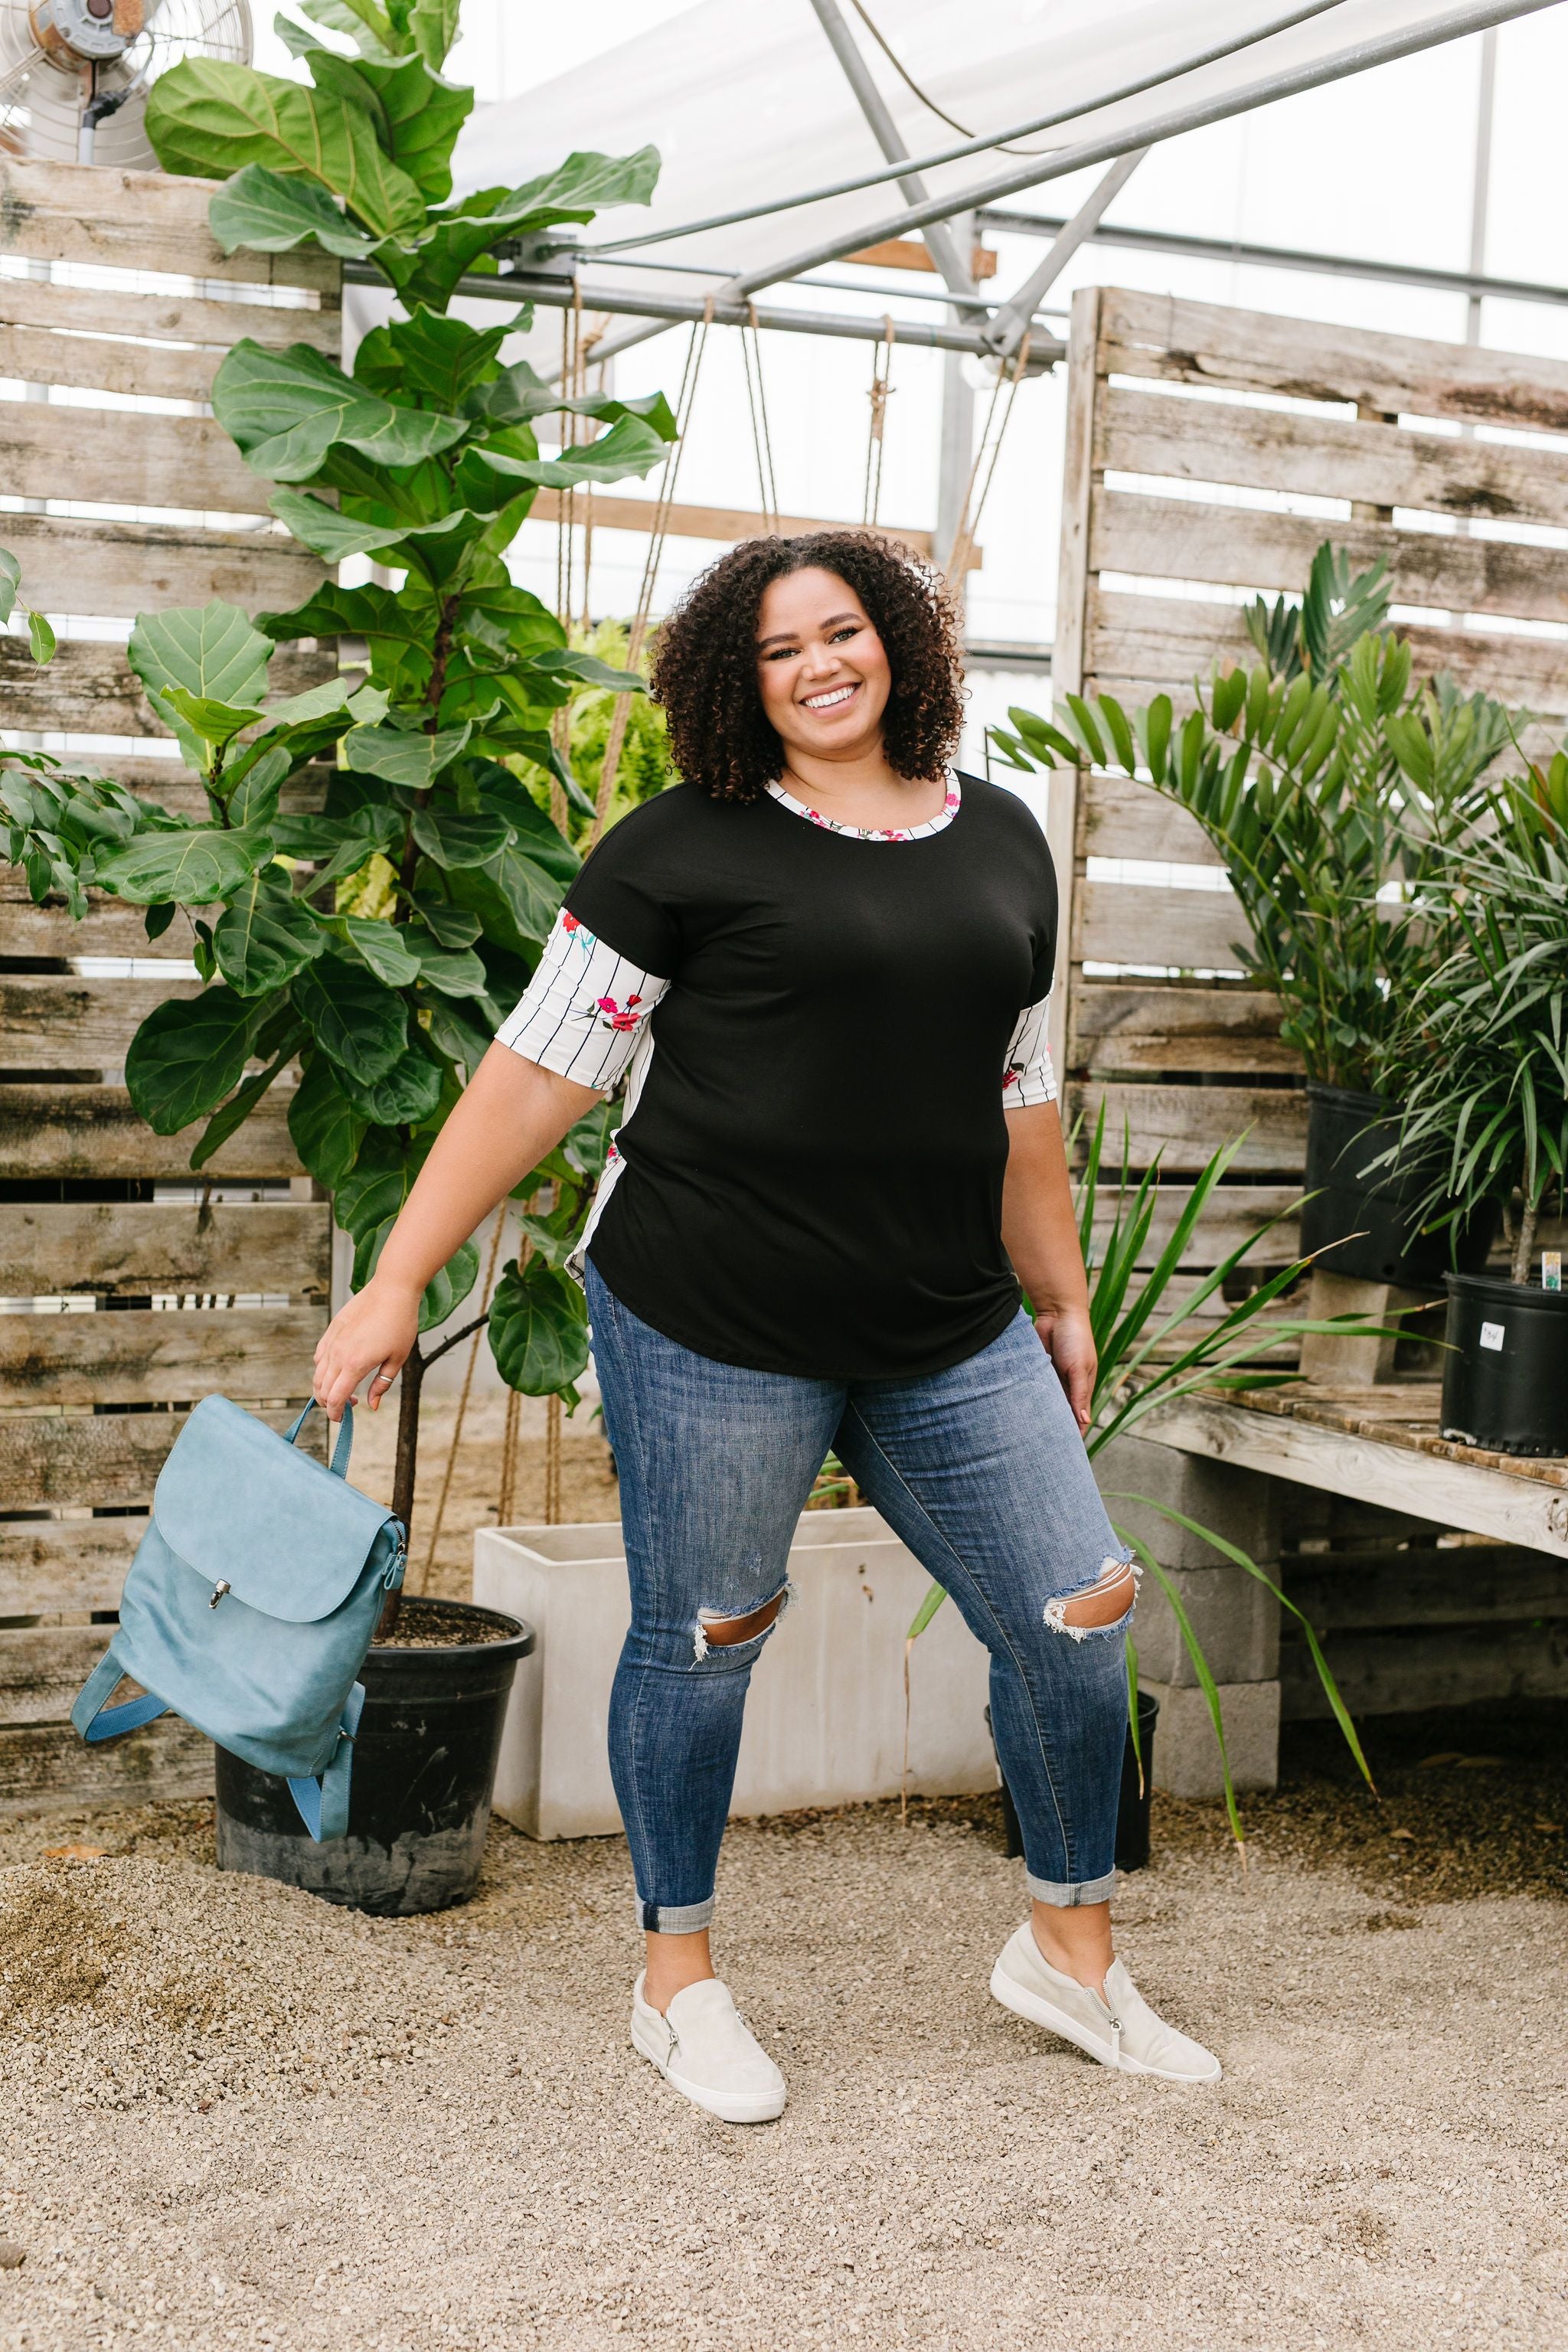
point(822, 669)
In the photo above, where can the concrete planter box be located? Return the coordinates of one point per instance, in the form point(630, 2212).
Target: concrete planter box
point(824, 1719)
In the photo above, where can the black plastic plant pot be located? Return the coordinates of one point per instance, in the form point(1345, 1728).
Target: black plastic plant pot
point(1365, 1225)
point(425, 1765)
point(1132, 1805)
point(1505, 1376)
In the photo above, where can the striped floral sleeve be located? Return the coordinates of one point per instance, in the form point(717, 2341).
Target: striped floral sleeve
point(584, 1011)
point(1028, 1078)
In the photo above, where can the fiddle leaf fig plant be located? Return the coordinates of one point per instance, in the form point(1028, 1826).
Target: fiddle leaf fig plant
point(372, 877)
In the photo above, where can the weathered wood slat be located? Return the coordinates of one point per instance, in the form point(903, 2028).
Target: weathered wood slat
point(1180, 342)
point(88, 1458)
point(1118, 818)
point(125, 460)
point(1133, 1028)
point(90, 363)
point(49, 1768)
point(1332, 458)
point(89, 689)
point(42, 1667)
point(91, 1132)
point(1246, 546)
point(135, 220)
point(144, 1356)
point(1233, 1213)
point(108, 928)
point(1357, 1592)
point(1419, 1667)
point(120, 569)
point(1161, 642)
point(125, 320)
point(1444, 1486)
point(60, 1566)
point(76, 1024)
point(50, 1248)
point(1185, 1125)
point(1131, 923)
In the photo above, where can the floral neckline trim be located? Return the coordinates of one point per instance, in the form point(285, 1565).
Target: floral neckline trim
point(938, 823)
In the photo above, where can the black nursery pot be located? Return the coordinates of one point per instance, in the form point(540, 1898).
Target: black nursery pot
point(1505, 1376)
point(1345, 1132)
point(1132, 1805)
point(425, 1765)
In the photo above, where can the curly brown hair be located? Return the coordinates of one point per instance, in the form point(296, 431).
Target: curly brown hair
point(705, 660)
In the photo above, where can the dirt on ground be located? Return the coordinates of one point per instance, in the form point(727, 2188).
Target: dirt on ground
point(234, 2115)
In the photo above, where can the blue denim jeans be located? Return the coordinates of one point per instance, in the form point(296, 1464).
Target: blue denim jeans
point(980, 1470)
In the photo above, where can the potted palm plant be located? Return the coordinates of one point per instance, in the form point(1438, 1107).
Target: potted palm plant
point(1332, 784)
point(376, 942)
point(1485, 1044)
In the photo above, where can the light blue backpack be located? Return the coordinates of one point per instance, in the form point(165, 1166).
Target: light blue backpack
point(250, 1605)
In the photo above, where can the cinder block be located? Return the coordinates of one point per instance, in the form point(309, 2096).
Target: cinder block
point(1235, 1618)
point(1243, 1506)
point(1186, 1753)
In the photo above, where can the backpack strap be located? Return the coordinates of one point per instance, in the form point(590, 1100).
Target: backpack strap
point(323, 1803)
point(339, 1464)
point(92, 1714)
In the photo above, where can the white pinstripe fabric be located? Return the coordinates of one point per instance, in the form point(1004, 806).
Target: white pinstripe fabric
point(586, 1010)
point(1028, 1076)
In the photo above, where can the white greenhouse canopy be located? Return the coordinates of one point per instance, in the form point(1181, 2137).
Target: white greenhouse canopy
point(751, 106)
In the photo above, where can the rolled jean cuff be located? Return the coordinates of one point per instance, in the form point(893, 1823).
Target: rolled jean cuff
point(1067, 1898)
point(674, 1919)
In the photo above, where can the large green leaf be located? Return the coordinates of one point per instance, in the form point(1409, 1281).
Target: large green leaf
point(188, 1053)
point(332, 536)
point(194, 866)
point(209, 116)
point(216, 723)
point(406, 1095)
point(285, 409)
point(268, 212)
point(265, 935)
point(326, 1129)
point(362, 1023)
point(488, 476)
point(538, 1328)
point(451, 972)
point(433, 28)
point(234, 1113)
point(371, 1192)
point(337, 845)
point(431, 357)
point(380, 947)
point(416, 114)
point(457, 238)
point(455, 839)
point(404, 755)
point(517, 395)
point(10, 581)
point(212, 650)
point(369, 27)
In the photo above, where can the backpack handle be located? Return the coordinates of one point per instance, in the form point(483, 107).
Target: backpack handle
point(341, 1451)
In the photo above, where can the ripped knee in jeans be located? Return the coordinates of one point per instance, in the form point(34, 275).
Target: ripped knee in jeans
point(1104, 1606)
point(717, 1629)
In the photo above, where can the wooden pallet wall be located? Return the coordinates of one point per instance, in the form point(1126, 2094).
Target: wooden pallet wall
point(124, 293)
point(1193, 431)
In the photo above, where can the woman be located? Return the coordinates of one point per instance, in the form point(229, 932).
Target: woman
point(821, 962)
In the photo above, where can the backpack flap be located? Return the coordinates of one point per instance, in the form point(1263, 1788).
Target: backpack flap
point(246, 1512)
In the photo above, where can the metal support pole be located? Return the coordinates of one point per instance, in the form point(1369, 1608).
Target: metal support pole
point(1480, 195)
point(1009, 325)
point(956, 447)
point(944, 247)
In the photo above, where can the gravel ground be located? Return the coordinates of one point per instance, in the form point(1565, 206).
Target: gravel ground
point(234, 2115)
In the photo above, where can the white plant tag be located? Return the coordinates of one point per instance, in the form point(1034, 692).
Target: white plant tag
point(1492, 1336)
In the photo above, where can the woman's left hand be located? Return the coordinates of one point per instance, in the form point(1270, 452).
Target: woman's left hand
point(1068, 1338)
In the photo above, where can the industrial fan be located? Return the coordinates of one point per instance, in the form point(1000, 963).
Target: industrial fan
point(74, 74)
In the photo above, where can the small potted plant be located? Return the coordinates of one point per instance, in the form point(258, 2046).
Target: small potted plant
point(1331, 785)
point(1486, 1046)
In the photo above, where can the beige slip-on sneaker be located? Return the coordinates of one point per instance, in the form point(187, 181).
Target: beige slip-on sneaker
point(1121, 2031)
point(706, 2051)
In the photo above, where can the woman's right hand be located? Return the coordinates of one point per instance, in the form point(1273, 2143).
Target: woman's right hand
point(369, 1337)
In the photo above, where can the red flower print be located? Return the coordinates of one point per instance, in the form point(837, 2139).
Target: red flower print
point(570, 923)
point(618, 1016)
point(1015, 1072)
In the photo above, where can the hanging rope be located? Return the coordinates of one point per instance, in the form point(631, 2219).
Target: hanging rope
point(757, 401)
point(507, 1494)
point(985, 456)
point(463, 1404)
point(553, 1416)
point(881, 367)
point(658, 527)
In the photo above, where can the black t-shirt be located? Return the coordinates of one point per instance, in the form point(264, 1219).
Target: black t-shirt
point(808, 1178)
